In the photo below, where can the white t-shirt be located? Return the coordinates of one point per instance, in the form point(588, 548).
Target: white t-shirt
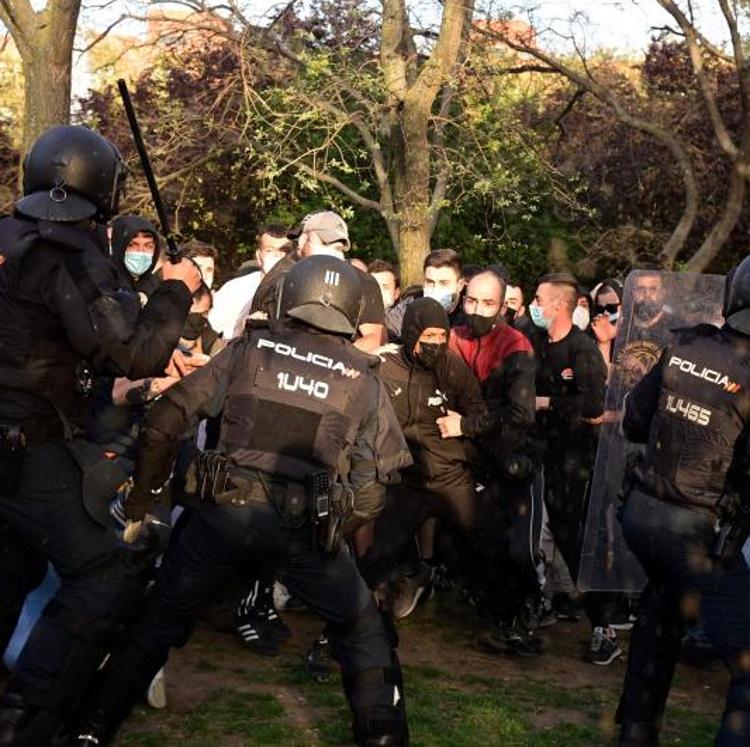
point(232, 304)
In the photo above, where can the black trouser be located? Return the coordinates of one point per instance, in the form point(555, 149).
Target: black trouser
point(21, 572)
point(684, 584)
point(514, 579)
point(48, 518)
point(498, 528)
point(566, 476)
point(216, 542)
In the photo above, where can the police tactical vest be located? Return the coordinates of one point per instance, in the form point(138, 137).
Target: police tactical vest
point(704, 406)
point(295, 402)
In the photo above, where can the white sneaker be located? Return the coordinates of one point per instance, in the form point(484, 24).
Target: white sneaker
point(156, 696)
point(280, 595)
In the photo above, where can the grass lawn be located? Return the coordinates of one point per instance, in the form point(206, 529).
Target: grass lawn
point(220, 694)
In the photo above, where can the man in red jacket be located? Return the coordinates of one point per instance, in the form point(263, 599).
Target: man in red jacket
point(503, 361)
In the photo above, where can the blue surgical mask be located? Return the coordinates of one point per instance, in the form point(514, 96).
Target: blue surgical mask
point(444, 297)
point(537, 316)
point(138, 263)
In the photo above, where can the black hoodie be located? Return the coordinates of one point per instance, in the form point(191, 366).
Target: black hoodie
point(420, 396)
point(124, 228)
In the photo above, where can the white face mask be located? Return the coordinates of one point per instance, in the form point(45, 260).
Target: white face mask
point(581, 318)
point(388, 299)
point(444, 297)
point(269, 262)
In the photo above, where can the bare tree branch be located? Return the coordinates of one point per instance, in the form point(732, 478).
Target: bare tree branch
point(334, 182)
point(696, 58)
point(100, 36)
point(587, 82)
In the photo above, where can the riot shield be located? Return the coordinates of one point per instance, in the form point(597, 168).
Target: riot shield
point(654, 304)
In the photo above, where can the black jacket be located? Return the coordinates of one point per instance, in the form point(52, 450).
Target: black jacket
point(62, 304)
point(693, 411)
point(419, 397)
point(572, 373)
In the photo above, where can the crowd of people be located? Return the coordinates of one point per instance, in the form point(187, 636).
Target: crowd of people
point(453, 426)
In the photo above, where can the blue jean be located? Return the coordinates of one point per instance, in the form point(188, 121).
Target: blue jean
point(673, 543)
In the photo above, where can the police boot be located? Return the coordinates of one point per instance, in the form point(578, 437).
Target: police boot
point(638, 734)
point(23, 724)
point(112, 695)
point(98, 724)
point(14, 714)
point(735, 723)
point(376, 699)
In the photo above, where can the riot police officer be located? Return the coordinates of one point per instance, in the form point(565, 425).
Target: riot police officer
point(693, 412)
point(302, 408)
point(64, 318)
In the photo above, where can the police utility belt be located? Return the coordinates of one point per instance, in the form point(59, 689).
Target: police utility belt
point(325, 504)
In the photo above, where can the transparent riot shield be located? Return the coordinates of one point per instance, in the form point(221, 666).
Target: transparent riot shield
point(654, 304)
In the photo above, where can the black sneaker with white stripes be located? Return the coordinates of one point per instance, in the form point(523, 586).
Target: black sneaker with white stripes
point(257, 622)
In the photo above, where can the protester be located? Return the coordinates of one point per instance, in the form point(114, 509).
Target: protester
point(205, 256)
point(135, 251)
point(582, 311)
point(501, 359)
point(387, 277)
point(424, 381)
point(606, 316)
point(443, 281)
point(233, 300)
point(570, 383)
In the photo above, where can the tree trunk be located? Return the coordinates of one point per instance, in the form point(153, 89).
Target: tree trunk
point(44, 40)
point(412, 191)
point(411, 94)
point(46, 95)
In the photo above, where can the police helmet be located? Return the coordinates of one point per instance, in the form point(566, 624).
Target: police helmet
point(323, 292)
point(737, 298)
point(70, 174)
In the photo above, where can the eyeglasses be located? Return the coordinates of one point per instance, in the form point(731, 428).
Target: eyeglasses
point(610, 308)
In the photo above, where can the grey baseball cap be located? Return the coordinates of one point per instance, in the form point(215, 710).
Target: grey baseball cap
point(330, 226)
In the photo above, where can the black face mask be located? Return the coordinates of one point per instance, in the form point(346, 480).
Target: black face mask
point(195, 325)
point(480, 326)
point(430, 353)
point(510, 315)
point(646, 310)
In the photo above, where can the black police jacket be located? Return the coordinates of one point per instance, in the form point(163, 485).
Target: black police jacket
point(61, 305)
point(293, 403)
point(419, 397)
point(691, 410)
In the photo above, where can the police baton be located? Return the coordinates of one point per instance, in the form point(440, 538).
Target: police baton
point(174, 253)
